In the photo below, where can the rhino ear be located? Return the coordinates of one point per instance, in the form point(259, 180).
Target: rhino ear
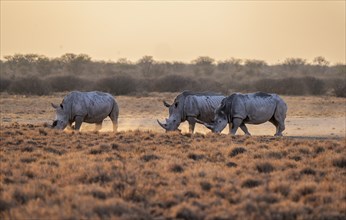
point(166, 104)
point(54, 105)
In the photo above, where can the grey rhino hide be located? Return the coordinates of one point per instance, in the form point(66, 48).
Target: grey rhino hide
point(190, 106)
point(90, 107)
point(254, 108)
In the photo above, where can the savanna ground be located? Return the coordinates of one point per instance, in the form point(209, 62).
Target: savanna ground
point(143, 173)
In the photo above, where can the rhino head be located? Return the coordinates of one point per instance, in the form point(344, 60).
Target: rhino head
point(61, 118)
point(175, 115)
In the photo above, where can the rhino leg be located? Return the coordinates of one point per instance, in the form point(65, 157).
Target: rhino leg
point(244, 129)
point(115, 122)
point(279, 116)
point(192, 123)
point(78, 122)
point(114, 117)
point(279, 124)
point(235, 125)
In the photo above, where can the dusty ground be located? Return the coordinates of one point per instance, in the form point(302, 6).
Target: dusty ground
point(307, 116)
point(143, 173)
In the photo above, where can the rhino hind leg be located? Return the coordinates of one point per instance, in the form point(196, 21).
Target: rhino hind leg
point(279, 118)
point(279, 126)
point(114, 117)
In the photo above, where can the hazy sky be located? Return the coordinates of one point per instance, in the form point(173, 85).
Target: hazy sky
point(176, 30)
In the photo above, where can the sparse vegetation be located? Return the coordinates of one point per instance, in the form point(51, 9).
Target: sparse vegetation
point(39, 179)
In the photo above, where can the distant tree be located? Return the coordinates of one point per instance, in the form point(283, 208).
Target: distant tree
point(203, 60)
point(254, 66)
point(178, 66)
point(204, 64)
point(145, 64)
point(294, 63)
point(233, 63)
point(44, 65)
point(320, 61)
point(75, 64)
point(124, 64)
point(22, 64)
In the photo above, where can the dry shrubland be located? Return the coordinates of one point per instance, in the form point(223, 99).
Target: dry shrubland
point(32, 74)
point(136, 174)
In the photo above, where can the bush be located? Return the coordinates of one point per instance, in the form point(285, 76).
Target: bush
point(29, 86)
point(339, 87)
point(67, 83)
point(173, 83)
point(119, 85)
point(314, 86)
point(291, 86)
point(4, 84)
point(207, 84)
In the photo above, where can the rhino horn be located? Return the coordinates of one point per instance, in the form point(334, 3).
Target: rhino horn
point(54, 105)
point(166, 104)
point(164, 126)
point(210, 126)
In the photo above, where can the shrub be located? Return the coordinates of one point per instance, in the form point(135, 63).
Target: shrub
point(265, 167)
point(67, 83)
point(250, 183)
point(236, 151)
point(118, 85)
point(231, 164)
point(314, 86)
point(173, 83)
point(308, 171)
point(291, 86)
point(29, 86)
point(339, 88)
point(4, 84)
point(176, 168)
point(149, 157)
point(340, 162)
point(207, 84)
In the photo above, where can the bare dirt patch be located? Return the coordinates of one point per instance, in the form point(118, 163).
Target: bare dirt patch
point(307, 115)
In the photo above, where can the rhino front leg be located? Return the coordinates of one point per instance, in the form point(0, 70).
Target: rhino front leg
point(192, 124)
point(235, 125)
point(78, 122)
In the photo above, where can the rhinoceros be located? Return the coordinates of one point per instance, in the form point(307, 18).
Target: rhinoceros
point(253, 108)
point(191, 106)
point(91, 107)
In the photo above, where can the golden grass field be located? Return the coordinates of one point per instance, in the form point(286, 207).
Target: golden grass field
point(143, 173)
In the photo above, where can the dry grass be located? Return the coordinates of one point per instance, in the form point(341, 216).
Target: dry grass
point(52, 174)
point(141, 174)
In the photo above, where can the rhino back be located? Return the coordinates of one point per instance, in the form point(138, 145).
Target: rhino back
point(254, 108)
point(202, 106)
point(93, 106)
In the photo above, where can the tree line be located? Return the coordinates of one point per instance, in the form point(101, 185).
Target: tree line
point(39, 75)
